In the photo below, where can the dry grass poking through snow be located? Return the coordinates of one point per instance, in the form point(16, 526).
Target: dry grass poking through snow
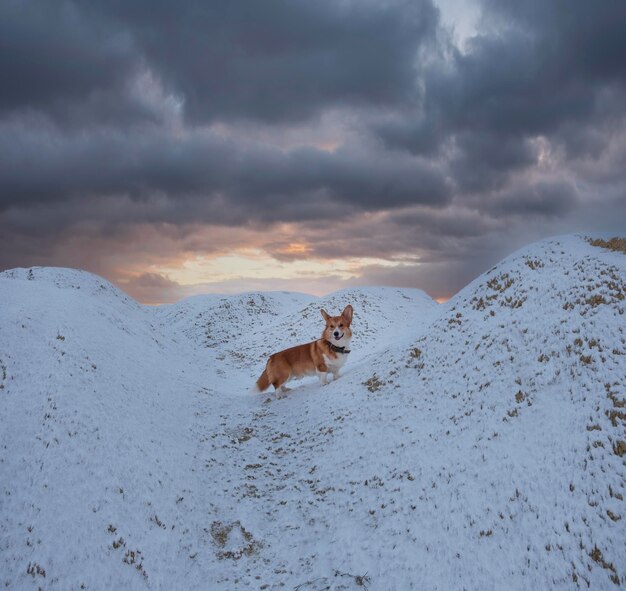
point(616, 243)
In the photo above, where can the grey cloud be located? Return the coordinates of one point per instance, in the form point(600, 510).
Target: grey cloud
point(418, 133)
point(158, 177)
point(550, 69)
point(484, 161)
point(427, 234)
point(56, 59)
point(280, 60)
point(539, 66)
point(452, 222)
point(273, 61)
point(545, 199)
point(581, 39)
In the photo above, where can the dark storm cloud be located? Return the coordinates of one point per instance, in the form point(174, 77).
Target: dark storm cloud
point(543, 199)
point(279, 59)
point(483, 161)
point(457, 223)
point(581, 39)
point(153, 112)
point(274, 61)
point(56, 59)
point(553, 68)
point(417, 134)
point(203, 176)
point(77, 127)
point(505, 84)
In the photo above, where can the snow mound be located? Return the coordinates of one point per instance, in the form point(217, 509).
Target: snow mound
point(523, 378)
point(69, 279)
point(93, 431)
point(478, 444)
point(217, 321)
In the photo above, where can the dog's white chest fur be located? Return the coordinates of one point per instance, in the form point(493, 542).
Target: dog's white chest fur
point(336, 362)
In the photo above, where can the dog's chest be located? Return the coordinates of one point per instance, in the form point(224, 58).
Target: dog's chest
point(336, 362)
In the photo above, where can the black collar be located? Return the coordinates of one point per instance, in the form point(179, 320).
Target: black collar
point(337, 349)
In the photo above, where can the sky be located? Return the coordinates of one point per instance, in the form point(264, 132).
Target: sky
point(183, 148)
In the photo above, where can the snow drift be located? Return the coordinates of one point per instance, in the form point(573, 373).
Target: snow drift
point(477, 444)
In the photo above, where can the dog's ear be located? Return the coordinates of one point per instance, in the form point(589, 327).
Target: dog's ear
point(324, 314)
point(347, 313)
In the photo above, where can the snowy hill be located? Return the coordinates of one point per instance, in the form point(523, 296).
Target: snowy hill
point(477, 444)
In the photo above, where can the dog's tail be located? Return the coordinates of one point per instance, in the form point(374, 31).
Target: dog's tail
point(263, 383)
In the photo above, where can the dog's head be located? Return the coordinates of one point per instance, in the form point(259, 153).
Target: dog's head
point(337, 329)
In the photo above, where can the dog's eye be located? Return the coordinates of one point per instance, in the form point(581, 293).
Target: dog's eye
point(341, 326)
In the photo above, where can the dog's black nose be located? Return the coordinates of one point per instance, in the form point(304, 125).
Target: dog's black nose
point(336, 333)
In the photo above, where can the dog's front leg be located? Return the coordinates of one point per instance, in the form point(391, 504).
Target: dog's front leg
point(322, 374)
point(335, 375)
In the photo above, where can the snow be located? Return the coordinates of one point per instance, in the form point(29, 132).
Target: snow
point(476, 444)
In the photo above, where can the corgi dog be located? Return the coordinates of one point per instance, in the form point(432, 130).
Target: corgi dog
point(321, 357)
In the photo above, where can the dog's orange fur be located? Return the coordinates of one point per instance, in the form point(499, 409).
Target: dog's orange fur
point(311, 358)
